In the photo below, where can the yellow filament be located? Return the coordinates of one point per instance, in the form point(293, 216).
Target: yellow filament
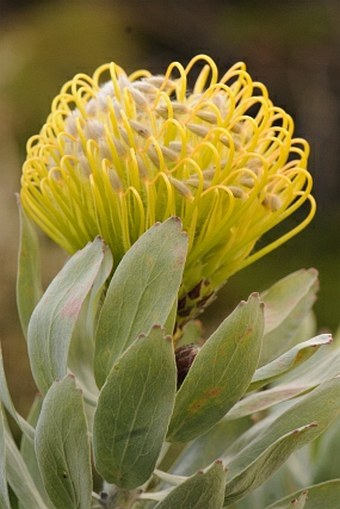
point(221, 156)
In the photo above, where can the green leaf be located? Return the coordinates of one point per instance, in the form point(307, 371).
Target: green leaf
point(133, 411)
point(28, 288)
point(202, 491)
point(319, 496)
point(142, 292)
point(6, 399)
point(319, 406)
point(287, 303)
point(266, 463)
point(19, 477)
point(287, 361)
point(62, 447)
point(220, 373)
point(4, 500)
point(28, 454)
point(53, 320)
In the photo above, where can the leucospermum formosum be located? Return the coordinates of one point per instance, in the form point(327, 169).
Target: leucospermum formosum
point(120, 152)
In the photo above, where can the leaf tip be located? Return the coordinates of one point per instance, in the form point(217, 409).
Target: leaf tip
point(157, 327)
point(219, 463)
point(329, 338)
point(313, 271)
point(313, 424)
point(168, 338)
point(175, 220)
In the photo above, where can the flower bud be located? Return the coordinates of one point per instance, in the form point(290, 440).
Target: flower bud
point(185, 356)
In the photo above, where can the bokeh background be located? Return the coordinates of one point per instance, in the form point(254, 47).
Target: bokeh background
point(292, 46)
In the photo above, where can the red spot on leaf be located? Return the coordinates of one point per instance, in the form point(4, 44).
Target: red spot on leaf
point(71, 307)
point(204, 399)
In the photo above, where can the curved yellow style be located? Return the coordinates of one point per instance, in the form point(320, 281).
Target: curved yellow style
point(120, 152)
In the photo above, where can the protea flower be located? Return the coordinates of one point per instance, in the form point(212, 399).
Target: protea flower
point(156, 414)
point(120, 152)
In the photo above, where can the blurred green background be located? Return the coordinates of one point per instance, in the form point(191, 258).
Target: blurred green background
point(292, 46)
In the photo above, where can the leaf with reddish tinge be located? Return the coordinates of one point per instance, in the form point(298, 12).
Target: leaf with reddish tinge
point(53, 320)
point(220, 373)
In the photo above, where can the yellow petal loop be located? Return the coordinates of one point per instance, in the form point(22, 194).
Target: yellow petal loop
point(119, 152)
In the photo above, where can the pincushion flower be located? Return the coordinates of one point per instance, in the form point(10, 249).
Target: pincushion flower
point(120, 152)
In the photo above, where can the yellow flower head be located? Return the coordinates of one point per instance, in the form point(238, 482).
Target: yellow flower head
point(119, 152)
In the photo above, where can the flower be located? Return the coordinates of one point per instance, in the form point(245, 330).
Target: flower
point(119, 152)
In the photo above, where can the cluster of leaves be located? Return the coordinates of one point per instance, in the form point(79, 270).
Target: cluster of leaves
point(109, 415)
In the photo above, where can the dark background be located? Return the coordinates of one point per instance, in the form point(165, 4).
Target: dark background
point(292, 46)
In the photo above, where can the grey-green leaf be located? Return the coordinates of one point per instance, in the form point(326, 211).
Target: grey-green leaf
point(296, 355)
point(298, 502)
point(28, 454)
point(202, 491)
point(287, 303)
point(322, 366)
point(142, 292)
point(207, 448)
point(19, 477)
point(266, 463)
point(259, 401)
point(319, 496)
point(5, 398)
point(28, 288)
point(133, 411)
point(62, 447)
point(4, 500)
point(320, 406)
point(327, 465)
point(53, 320)
point(220, 373)
point(81, 352)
